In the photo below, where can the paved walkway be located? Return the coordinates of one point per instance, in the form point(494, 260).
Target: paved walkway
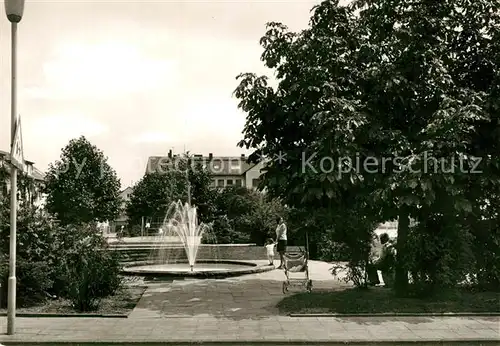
point(241, 310)
point(247, 297)
point(275, 328)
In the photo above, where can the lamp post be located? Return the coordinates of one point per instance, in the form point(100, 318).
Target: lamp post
point(14, 10)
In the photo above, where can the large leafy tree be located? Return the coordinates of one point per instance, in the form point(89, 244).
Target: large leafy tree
point(154, 193)
point(245, 215)
point(81, 186)
point(377, 87)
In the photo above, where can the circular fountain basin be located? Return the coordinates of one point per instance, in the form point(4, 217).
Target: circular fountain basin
point(202, 269)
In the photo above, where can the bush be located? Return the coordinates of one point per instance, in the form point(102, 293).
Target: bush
point(441, 255)
point(222, 231)
point(90, 270)
point(340, 235)
point(69, 262)
point(36, 253)
point(486, 242)
point(133, 231)
point(87, 270)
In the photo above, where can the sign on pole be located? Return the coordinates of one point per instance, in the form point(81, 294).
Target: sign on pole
point(16, 150)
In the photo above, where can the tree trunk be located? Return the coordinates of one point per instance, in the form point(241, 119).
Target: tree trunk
point(401, 278)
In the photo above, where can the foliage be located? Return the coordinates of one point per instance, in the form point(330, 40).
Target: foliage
point(36, 252)
point(341, 234)
point(154, 193)
point(486, 273)
point(440, 256)
point(222, 231)
point(484, 226)
point(33, 281)
point(396, 82)
point(82, 187)
point(244, 215)
point(48, 255)
point(91, 271)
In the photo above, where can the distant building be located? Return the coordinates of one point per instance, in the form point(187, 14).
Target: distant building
point(226, 171)
point(33, 192)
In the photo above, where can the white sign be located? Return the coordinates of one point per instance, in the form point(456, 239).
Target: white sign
point(16, 150)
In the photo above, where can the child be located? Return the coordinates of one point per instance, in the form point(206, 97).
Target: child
point(270, 244)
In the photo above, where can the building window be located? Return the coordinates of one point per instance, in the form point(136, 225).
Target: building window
point(220, 183)
point(237, 182)
point(255, 183)
point(217, 166)
point(235, 165)
point(229, 182)
point(212, 183)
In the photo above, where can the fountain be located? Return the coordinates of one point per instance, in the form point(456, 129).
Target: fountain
point(180, 229)
point(183, 221)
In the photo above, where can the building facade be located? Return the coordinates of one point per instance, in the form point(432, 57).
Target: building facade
point(32, 190)
point(226, 171)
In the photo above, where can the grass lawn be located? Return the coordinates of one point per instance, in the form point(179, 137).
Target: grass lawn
point(123, 302)
point(382, 300)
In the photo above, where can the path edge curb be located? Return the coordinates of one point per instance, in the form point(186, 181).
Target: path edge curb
point(409, 314)
point(49, 314)
point(421, 342)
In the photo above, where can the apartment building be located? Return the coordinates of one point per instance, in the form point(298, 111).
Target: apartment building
point(226, 171)
point(33, 191)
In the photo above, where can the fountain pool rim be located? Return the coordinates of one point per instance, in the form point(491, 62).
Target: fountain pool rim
point(247, 267)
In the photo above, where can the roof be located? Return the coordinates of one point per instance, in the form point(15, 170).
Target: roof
point(35, 173)
point(217, 165)
point(125, 189)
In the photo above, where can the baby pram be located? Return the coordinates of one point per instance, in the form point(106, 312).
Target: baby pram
point(297, 269)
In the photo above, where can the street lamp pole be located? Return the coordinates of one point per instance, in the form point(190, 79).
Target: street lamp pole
point(14, 10)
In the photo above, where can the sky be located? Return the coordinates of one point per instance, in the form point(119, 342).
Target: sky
point(137, 78)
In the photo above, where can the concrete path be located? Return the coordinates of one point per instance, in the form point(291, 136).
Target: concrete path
point(279, 329)
point(247, 297)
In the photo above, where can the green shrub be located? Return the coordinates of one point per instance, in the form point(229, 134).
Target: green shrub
point(36, 253)
point(441, 255)
point(221, 231)
point(486, 242)
point(90, 277)
point(71, 262)
point(33, 281)
point(133, 230)
point(341, 235)
point(4, 275)
point(91, 271)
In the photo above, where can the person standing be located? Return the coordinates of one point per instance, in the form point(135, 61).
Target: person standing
point(270, 244)
point(371, 267)
point(281, 240)
point(387, 261)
